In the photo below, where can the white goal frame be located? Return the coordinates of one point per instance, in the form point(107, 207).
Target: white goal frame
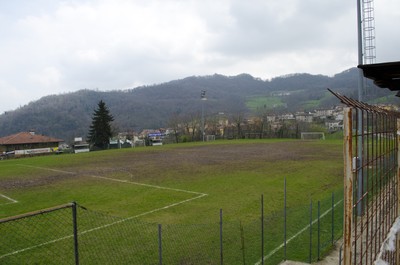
point(309, 136)
point(210, 137)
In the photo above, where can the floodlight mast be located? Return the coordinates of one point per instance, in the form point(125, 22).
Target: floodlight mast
point(366, 54)
point(359, 158)
point(366, 39)
point(203, 98)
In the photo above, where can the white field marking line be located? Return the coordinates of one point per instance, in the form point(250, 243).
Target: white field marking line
point(142, 214)
point(36, 246)
point(56, 170)
point(119, 180)
point(7, 198)
point(117, 222)
point(149, 185)
point(296, 235)
point(50, 169)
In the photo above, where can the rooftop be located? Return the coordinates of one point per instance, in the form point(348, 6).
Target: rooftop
point(27, 138)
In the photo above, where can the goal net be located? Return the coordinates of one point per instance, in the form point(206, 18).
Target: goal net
point(313, 136)
point(210, 138)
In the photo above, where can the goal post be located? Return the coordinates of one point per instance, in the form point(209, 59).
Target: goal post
point(312, 136)
point(210, 138)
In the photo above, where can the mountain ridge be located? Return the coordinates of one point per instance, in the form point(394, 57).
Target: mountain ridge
point(68, 115)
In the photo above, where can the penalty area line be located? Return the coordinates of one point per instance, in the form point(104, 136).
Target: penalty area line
point(200, 195)
point(7, 198)
point(50, 169)
point(149, 185)
point(99, 227)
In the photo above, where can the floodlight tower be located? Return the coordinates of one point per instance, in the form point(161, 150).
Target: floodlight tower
point(366, 38)
point(368, 23)
point(203, 98)
point(366, 55)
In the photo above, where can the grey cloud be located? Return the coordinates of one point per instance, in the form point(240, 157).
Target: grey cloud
point(259, 29)
point(116, 44)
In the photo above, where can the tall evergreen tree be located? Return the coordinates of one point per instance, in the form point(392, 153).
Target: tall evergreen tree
point(100, 130)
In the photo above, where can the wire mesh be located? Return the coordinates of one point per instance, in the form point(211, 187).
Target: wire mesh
point(105, 239)
point(375, 196)
point(48, 238)
point(40, 238)
point(371, 186)
point(190, 244)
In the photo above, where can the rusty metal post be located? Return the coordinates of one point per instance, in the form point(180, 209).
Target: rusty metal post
point(348, 185)
point(262, 229)
point(284, 222)
point(160, 254)
point(398, 188)
point(75, 227)
point(221, 247)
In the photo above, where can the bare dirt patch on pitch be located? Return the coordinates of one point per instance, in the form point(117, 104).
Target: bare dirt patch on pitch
point(154, 162)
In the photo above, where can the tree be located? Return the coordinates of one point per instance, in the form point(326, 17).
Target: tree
point(238, 119)
point(174, 122)
point(100, 130)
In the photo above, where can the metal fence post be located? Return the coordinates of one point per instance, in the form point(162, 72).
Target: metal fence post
point(398, 187)
point(348, 185)
point(262, 229)
point(310, 253)
point(242, 242)
point(333, 218)
point(160, 244)
point(319, 230)
point(220, 237)
point(284, 221)
point(75, 227)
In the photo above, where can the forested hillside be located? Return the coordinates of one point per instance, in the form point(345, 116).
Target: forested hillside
point(69, 115)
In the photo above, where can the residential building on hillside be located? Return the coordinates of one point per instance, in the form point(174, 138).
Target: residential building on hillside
point(323, 113)
point(287, 116)
point(334, 125)
point(304, 117)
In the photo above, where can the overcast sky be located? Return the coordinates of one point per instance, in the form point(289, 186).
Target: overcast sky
point(53, 46)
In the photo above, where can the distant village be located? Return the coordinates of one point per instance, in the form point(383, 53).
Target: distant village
point(287, 125)
point(284, 125)
point(280, 125)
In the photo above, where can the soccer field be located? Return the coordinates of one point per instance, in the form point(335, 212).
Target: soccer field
point(177, 184)
point(126, 182)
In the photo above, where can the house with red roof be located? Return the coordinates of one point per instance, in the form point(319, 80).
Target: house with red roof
point(28, 143)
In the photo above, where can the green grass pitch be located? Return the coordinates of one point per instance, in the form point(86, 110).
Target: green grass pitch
point(177, 184)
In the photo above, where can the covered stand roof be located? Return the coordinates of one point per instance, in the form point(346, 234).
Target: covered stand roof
point(385, 75)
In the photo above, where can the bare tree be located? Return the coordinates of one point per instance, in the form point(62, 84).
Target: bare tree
point(175, 122)
point(237, 120)
point(192, 125)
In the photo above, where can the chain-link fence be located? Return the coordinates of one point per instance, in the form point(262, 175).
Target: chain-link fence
point(72, 234)
point(43, 237)
point(371, 184)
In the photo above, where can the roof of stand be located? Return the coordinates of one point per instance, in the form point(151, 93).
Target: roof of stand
point(385, 75)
